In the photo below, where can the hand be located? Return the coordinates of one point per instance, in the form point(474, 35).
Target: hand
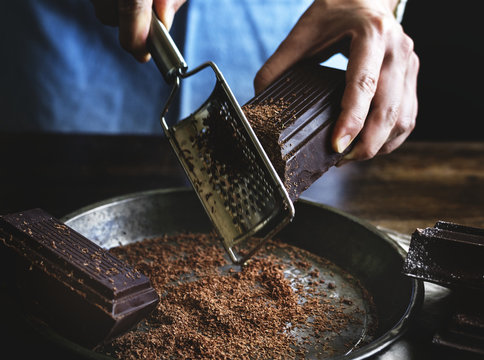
point(379, 103)
point(133, 18)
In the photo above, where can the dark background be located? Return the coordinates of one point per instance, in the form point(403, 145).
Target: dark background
point(448, 40)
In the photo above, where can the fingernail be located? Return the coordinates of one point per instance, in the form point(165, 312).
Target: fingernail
point(343, 143)
point(345, 159)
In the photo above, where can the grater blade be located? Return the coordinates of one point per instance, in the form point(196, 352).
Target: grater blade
point(232, 175)
point(234, 179)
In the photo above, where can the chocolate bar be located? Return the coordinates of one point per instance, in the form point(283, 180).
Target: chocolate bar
point(69, 283)
point(447, 254)
point(293, 119)
point(464, 329)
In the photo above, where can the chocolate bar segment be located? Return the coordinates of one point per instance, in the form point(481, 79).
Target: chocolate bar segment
point(448, 254)
point(71, 284)
point(293, 120)
point(464, 329)
point(446, 225)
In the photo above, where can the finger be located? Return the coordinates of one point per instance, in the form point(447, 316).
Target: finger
point(386, 105)
point(166, 10)
point(386, 130)
point(134, 26)
point(362, 76)
point(408, 110)
point(290, 51)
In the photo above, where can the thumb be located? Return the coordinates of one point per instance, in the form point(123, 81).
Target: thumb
point(167, 17)
point(166, 10)
point(287, 54)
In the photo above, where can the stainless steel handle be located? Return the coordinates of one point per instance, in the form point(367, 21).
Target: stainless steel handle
point(164, 51)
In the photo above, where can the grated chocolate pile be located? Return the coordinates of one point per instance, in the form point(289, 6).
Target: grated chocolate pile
point(268, 121)
point(212, 309)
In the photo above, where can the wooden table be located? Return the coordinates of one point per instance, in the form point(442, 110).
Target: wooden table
point(416, 185)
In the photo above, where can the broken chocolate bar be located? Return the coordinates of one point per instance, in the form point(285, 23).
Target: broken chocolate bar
point(71, 284)
point(447, 254)
point(464, 329)
point(293, 119)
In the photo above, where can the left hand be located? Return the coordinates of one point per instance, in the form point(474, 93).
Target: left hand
point(133, 17)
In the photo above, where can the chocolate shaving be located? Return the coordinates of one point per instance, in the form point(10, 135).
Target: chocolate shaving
point(211, 309)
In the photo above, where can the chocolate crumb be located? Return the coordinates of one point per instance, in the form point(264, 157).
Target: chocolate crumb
point(212, 309)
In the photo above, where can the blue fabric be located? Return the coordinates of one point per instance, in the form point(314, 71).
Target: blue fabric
point(63, 71)
point(238, 36)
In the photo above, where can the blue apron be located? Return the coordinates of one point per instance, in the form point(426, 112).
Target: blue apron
point(63, 71)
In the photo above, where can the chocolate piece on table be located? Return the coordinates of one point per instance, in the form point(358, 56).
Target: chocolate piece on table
point(455, 338)
point(447, 254)
point(445, 225)
point(293, 119)
point(464, 329)
point(71, 284)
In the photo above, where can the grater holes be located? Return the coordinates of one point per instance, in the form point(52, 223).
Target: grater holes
point(240, 187)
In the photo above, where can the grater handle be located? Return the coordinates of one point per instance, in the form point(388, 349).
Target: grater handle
point(164, 51)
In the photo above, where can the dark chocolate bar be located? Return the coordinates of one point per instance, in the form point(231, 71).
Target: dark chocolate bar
point(71, 284)
point(464, 329)
point(459, 341)
point(293, 120)
point(446, 225)
point(447, 254)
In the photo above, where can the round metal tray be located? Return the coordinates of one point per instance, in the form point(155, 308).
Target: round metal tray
point(353, 245)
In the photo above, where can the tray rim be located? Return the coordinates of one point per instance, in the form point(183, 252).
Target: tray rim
point(384, 341)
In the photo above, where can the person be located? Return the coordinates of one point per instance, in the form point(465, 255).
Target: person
point(64, 72)
point(86, 84)
point(379, 104)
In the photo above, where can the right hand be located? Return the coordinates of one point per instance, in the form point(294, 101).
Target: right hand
point(133, 17)
point(379, 104)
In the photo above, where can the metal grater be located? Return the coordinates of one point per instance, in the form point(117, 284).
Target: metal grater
point(241, 192)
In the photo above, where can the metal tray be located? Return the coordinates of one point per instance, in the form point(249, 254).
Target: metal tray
point(352, 244)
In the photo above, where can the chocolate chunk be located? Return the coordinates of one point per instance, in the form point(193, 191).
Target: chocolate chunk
point(445, 225)
point(71, 284)
point(448, 254)
point(464, 329)
point(293, 119)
